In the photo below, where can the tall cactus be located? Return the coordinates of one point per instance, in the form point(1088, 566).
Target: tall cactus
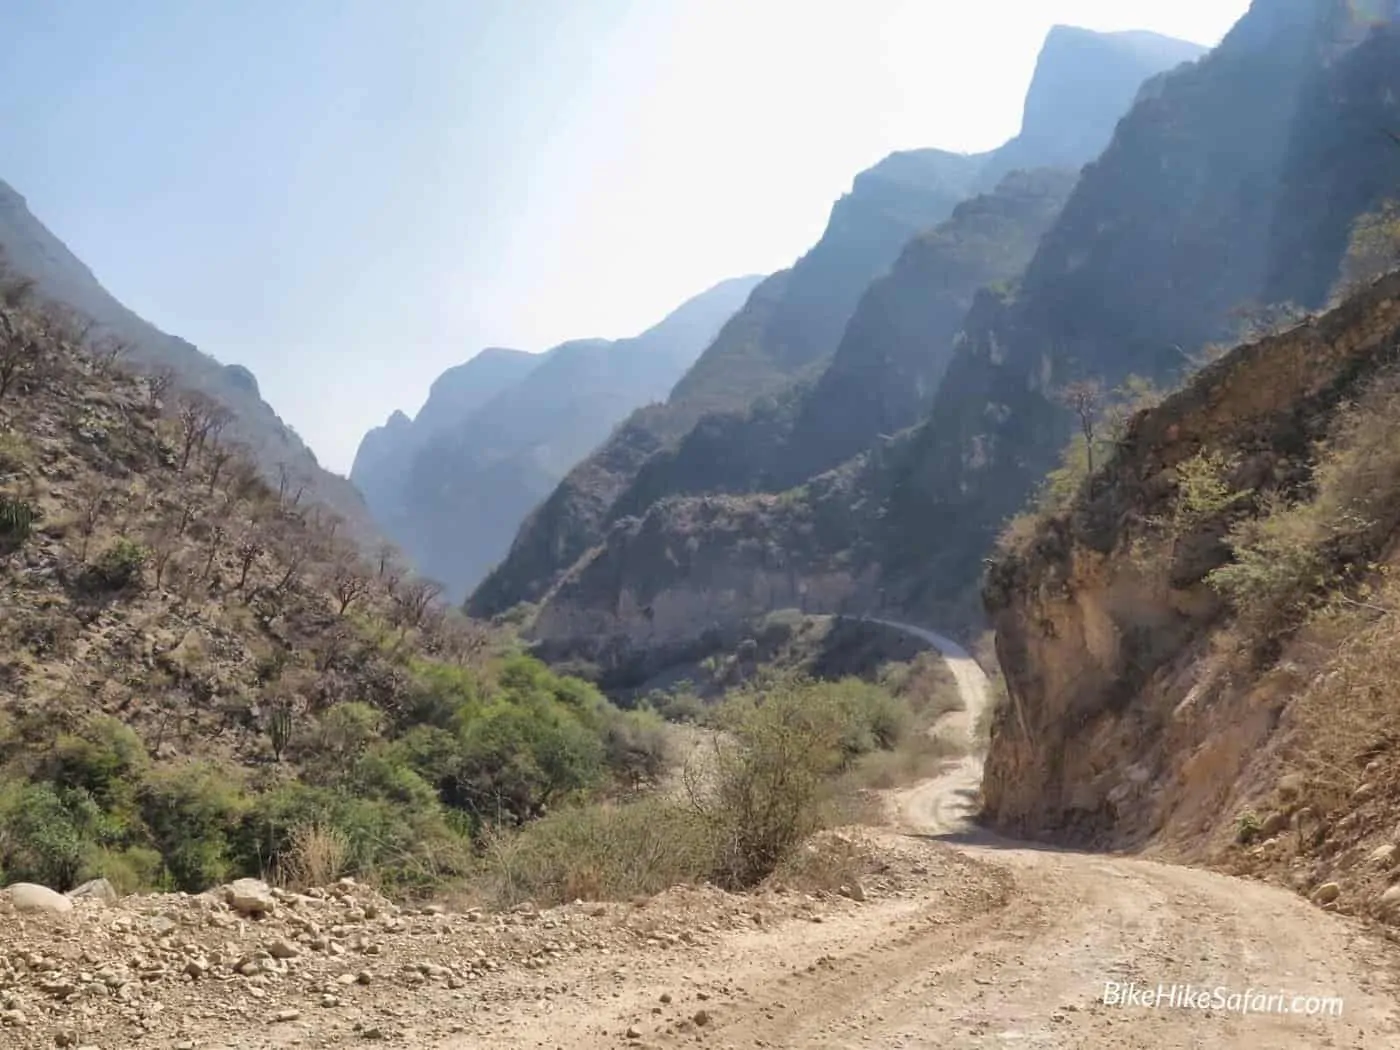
point(279, 727)
point(16, 519)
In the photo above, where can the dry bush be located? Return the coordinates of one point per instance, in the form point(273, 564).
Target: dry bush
point(601, 852)
point(316, 857)
point(1288, 558)
point(917, 758)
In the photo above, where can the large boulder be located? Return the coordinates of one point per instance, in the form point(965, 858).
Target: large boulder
point(95, 890)
point(28, 896)
point(250, 897)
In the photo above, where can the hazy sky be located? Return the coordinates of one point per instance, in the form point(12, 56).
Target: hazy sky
point(349, 196)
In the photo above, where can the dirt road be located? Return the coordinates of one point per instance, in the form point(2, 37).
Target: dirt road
point(951, 939)
point(994, 945)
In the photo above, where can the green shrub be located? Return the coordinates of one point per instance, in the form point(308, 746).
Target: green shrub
point(41, 839)
point(515, 760)
point(192, 811)
point(764, 797)
point(17, 519)
point(118, 567)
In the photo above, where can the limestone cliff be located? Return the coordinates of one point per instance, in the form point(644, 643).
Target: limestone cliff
point(1150, 704)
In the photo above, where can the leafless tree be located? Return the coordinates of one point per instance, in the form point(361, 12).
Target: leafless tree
point(348, 583)
point(217, 458)
point(162, 541)
point(217, 535)
point(334, 643)
point(291, 485)
point(94, 500)
point(297, 549)
point(1084, 398)
point(242, 480)
point(192, 510)
point(249, 550)
point(21, 354)
point(199, 417)
point(158, 384)
point(413, 600)
point(108, 353)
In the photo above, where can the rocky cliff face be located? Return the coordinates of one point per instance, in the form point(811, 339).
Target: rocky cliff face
point(1173, 229)
point(784, 333)
point(886, 369)
point(1142, 705)
point(497, 433)
point(744, 388)
point(32, 250)
point(1163, 238)
point(1083, 84)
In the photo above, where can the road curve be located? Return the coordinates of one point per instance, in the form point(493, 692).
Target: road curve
point(994, 945)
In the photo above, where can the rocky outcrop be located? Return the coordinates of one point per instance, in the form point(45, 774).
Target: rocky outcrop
point(30, 249)
point(1130, 716)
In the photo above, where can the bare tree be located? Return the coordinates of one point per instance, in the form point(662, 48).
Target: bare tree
point(197, 415)
point(334, 643)
point(94, 500)
point(291, 485)
point(413, 600)
point(297, 549)
point(158, 384)
point(191, 510)
point(249, 550)
point(162, 541)
point(1084, 397)
point(108, 353)
point(384, 557)
point(217, 535)
point(348, 583)
point(242, 480)
point(218, 458)
point(20, 353)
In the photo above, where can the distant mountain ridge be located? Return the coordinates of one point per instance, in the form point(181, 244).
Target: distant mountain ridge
point(792, 326)
point(498, 432)
point(31, 249)
point(1251, 163)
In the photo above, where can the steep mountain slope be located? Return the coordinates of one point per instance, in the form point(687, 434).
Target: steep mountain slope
point(1201, 651)
point(1083, 84)
point(386, 452)
point(886, 368)
point(794, 322)
point(1165, 237)
point(1169, 231)
point(32, 250)
point(494, 438)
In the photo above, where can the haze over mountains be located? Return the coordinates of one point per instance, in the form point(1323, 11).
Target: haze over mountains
point(1234, 181)
point(498, 432)
point(795, 321)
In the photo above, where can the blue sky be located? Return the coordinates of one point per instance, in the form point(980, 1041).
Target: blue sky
point(350, 196)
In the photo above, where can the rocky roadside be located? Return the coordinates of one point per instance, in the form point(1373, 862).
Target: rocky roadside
point(249, 965)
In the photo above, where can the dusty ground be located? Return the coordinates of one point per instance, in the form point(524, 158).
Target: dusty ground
point(960, 941)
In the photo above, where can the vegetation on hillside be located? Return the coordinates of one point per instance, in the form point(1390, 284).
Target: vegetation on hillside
point(204, 678)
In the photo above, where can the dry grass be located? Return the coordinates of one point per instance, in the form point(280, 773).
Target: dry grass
point(317, 857)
